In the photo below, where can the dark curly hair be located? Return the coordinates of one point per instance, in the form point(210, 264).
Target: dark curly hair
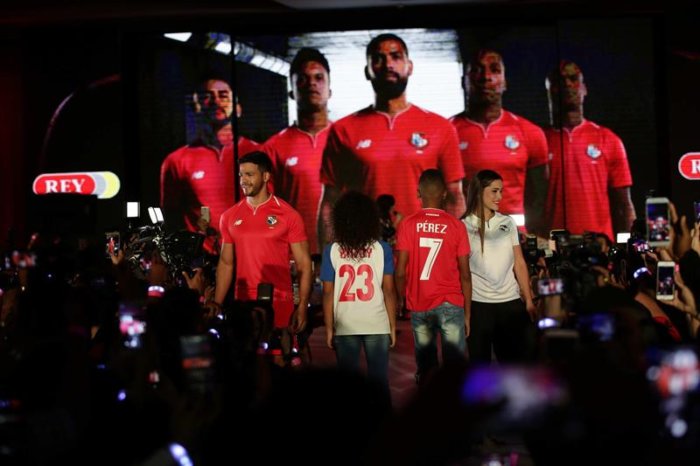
point(355, 223)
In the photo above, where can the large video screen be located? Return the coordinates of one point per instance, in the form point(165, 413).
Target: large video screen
point(563, 112)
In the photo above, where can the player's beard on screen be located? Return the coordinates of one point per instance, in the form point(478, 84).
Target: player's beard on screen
point(389, 89)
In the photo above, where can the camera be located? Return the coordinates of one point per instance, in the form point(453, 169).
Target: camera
point(180, 251)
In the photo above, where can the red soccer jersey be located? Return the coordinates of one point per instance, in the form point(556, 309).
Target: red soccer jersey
point(377, 154)
point(509, 146)
point(296, 156)
point(261, 237)
point(434, 240)
point(198, 175)
point(584, 163)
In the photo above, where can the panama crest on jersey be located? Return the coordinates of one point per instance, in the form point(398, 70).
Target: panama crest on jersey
point(511, 142)
point(592, 151)
point(271, 219)
point(418, 140)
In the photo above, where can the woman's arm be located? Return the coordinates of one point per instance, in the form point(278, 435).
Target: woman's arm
point(523, 278)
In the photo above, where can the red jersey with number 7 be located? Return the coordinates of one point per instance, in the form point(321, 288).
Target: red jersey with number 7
point(434, 240)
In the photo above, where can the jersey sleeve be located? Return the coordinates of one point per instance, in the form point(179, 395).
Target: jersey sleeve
point(270, 148)
point(403, 241)
point(536, 143)
point(169, 190)
point(332, 154)
point(618, 168)
point(388, 258)
point(463, 246)
point(226, 237)
point(297, 233)
point(327, 271)
point(514, 238)
point(450, 158)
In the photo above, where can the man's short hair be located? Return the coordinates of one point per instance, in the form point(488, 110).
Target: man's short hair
point(476, 57)
point(305, 55)
point(211, 76)
point(374, 43)
point(258, 158)
point(432, 177)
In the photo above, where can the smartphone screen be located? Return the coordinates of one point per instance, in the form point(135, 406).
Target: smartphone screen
point(112, 243)
point(622, 238)
point(132, 325)
point(550, 286)
point(658, 223)
point(204, 213)
point(197, 362)
point(665, 285)
point(696, 204)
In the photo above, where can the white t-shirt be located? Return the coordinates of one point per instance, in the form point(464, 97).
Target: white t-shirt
point(493, 278)
point(358, 299)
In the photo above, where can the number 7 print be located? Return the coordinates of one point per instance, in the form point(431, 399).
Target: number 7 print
point(434, 244)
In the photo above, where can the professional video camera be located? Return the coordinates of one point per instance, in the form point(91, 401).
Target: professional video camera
point(579, 260)
point(180, 251)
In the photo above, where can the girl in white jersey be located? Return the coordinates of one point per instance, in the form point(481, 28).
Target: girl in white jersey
point(359, 297)
point(502, 308)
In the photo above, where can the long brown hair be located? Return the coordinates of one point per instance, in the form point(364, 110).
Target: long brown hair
point(355, 223)
point(475, 201)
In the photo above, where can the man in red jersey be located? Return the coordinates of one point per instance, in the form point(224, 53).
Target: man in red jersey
point(296, 151)
point(494, 138)
point(258, 234)
point(384, 148)
point(432, 274)
point(590, 180)
point(202, 173)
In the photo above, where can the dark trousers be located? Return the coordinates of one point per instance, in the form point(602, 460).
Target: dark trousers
point(504, 327)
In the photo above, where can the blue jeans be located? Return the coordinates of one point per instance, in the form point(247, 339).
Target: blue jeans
point(347, 353)
point(447, 320)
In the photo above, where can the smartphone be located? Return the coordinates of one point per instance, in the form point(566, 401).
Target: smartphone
point(132, 325)
point(558, 239)
point(112, 243)
point(696, 204)
point(658, 221)
point(550, 286)
point(641, 246)
point(205, 213)
point(197, 362)
point(531, 242)
point(665, 285)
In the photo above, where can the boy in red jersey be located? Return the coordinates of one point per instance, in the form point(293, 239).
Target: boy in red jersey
point(432, 274)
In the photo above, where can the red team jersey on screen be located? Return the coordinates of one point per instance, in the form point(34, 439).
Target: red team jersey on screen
point(199, 175)
point(434, 240)
point(296, 156)
point(509, 146)
point(261, 237)
point(376, 154)
point(584, 162)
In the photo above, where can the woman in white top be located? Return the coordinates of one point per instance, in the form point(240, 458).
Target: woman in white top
point(502, 308)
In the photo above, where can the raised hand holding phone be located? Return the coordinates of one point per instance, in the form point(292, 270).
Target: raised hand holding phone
point(665, 285)
point(658, 221)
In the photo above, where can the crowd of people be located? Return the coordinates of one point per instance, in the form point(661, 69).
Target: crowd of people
point(161, 353)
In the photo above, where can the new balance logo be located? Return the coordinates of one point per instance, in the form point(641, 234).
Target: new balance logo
point(364, 144)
